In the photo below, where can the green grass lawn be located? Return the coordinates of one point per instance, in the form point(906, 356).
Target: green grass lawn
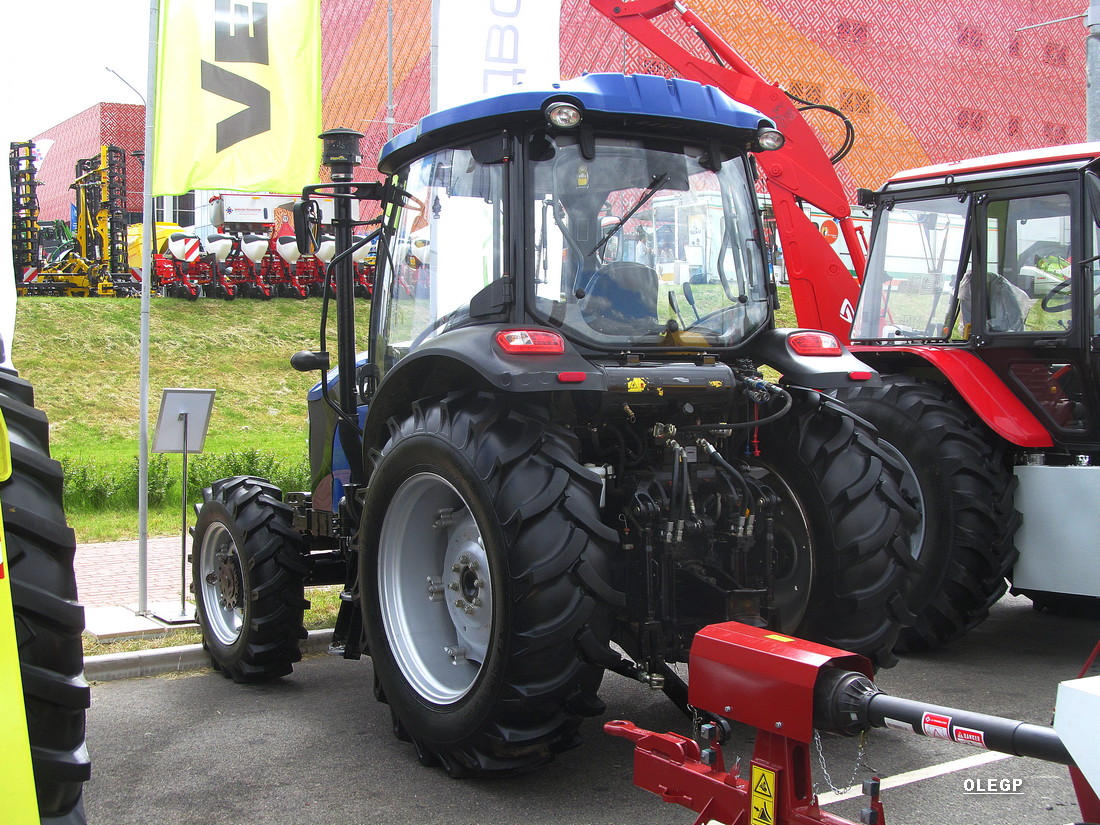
point(82, 355)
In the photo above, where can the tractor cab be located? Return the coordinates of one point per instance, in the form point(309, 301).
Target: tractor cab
point(996, 256)
point(611, 236)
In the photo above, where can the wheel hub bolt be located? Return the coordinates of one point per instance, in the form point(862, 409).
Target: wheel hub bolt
point(435, 589)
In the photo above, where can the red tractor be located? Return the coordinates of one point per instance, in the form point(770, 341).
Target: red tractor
point(989, 393)
point(979, 307)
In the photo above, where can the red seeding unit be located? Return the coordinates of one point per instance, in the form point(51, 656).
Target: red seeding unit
point(252, 255)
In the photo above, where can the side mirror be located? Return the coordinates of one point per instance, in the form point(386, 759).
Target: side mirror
point(304, 212)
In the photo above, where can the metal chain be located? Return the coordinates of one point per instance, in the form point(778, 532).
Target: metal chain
point(825, 770)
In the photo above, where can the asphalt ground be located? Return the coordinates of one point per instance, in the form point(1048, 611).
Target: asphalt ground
point(316, 748)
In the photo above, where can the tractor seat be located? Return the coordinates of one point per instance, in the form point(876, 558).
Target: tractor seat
point(621, 299)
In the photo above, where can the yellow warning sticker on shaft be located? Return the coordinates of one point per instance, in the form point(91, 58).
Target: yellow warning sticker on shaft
point(763, 796)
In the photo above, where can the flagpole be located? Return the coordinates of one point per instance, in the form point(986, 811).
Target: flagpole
point(148, 234)
point(433, 60)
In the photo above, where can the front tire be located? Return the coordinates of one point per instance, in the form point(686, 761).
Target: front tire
point(248, 573)
point(483, 561)
point(957, 476)
point(48, 620)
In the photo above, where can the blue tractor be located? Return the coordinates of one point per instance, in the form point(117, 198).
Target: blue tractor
point(558, 454)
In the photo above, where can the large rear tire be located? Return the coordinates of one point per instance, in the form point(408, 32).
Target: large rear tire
point(248, 573)
point(483, 562)
point(48, 620)
point(841, 528)
point(957, 477)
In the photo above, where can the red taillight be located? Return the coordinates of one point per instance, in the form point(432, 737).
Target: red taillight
point(571, 377)
point(814, 343)
point(861, 375)
point(530, 342)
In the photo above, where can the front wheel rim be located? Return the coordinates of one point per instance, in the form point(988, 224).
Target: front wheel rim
point(222, 584)
point(435, 588)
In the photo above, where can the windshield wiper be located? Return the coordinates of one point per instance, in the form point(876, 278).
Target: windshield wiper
point(645, 196)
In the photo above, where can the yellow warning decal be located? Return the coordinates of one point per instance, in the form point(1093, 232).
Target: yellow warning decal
point(637, 385)
point(775, 637)
point(17, 776)
point(763, 796)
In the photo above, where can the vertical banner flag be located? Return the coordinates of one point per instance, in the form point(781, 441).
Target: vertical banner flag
point(238, 96)
point(486, 46)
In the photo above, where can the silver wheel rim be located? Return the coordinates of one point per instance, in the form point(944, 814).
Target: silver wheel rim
point(435, 589)
point(221, 583)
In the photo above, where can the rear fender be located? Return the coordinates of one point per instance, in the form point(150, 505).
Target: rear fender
point(823, 372)
point(988, 396)
point(470, 358)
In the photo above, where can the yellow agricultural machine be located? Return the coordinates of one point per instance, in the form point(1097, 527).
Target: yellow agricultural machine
point(91, 259)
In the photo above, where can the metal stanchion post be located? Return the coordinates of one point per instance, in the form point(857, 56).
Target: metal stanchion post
point(183, 526)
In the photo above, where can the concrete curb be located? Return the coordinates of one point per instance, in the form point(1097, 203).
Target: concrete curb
point(111, 666)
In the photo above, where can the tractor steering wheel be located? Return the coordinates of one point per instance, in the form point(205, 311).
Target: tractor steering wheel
point(1055, 306)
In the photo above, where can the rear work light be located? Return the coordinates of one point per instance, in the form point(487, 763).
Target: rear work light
point(530, 342)
point(814, 343)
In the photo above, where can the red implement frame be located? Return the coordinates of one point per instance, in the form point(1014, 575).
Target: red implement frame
point(759, 678)
point(822, 289)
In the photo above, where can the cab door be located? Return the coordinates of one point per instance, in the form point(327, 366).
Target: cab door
point(1033, 314)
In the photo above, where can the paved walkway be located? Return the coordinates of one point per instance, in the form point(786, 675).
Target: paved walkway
point(107, 573)
point(107, 586)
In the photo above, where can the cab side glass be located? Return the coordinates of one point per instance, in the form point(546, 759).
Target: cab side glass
point(1092, 191)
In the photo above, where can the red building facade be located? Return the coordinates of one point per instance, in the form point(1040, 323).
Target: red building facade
point(81, 136)
point(923, 81)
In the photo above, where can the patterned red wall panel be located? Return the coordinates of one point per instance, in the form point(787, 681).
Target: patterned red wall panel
point(922, 80)
point(124, 126)
point(76, 138)
point(120, 124)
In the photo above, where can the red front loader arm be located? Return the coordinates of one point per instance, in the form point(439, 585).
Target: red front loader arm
point(823, 290)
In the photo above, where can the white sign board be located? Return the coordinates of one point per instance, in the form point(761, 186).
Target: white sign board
point(180, 408)
point(485, 47)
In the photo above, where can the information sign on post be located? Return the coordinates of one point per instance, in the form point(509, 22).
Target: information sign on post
point(181, 428)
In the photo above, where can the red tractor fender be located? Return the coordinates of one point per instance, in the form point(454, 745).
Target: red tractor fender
point(988, 396)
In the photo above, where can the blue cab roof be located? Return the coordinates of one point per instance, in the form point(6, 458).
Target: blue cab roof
point(640, 95)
